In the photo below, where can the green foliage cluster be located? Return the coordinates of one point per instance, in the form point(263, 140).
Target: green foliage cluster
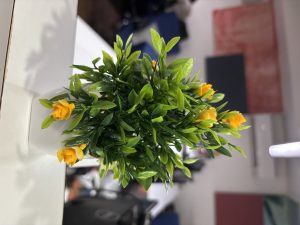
point(132, 111)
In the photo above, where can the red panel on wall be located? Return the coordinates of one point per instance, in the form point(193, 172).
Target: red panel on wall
point(251, 30)
point(239, 209)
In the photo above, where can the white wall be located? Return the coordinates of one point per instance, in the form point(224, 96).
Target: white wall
point(41, 50)
point(6, 9)
point(288, 18)
point(196, 201)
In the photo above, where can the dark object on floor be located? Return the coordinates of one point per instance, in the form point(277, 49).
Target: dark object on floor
point(124, 209)
point(168, 218)
point(227, 75)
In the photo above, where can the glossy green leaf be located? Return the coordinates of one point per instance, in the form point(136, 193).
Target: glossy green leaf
point(128, 150)
point(46, 103)
point(107, 119)
point(157, 119)
point(101, 105)
point(190, 161)
point(76, 121)
point(133, 141)
point(75, 85)
point(146, 174)
point(150, 154)
point(59, 97)
point(156, 40)
point(172, 43)
point(126, 126)
point(133, 57)
point(47, 122)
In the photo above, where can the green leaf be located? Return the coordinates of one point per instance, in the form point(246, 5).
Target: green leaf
point(181, 67)
point(168, 107)
point(82, 67)
point(221, 106)
point(156, 40)
point(128, 50)
point(124, 182)
point(118, 51)
point(75, 86)
point(101, 105)
point(146, 92)
point(132, 109)
point(163, 157)
point(133, 141)
point(128, 150)
point(129, 39)
point(59, 97)
point(116, 172)
point(146, 174)
point(122, 166)
point(224, 151)
point(189, 130)
point(132, 97)
point(46, 103)
point(95, 61)
point(186, 171)
point(133, 57)
point(154, 134)
point(170, 168)
point(243, 127)
point(150, 154)
point(157, 119)
point(76, 121)
point(119, 41)
point(172, 43)
point(178, 145)
point(146, 183)
point(190, 161)
point(215, 136)
point(239, 149)
point(126, 126)
point(47, 122)
point(108, 61)
point(180, 99)
point(106, 121)
point(217, 98)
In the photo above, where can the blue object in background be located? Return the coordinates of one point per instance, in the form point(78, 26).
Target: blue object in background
point(167, 25)
point(126, 31)
point(145, 47)
point(169, 218)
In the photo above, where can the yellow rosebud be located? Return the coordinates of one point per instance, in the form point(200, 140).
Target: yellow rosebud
point(70, 155)
point(204, 88)
point(208, 114)
point(62, 110)
point(154, 63)
point(235, 120)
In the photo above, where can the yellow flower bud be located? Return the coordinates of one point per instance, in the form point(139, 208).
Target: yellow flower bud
point(235, 121)
point(70, 155)
point(154, 64)
point(204, 88)
point(62, 110)
point(208, 114)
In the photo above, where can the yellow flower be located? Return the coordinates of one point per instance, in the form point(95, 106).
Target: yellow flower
point(62, 110)
point(208, 114)
point(204, 88)
point(70, 155)
point(154, 64)
point(235, 120)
